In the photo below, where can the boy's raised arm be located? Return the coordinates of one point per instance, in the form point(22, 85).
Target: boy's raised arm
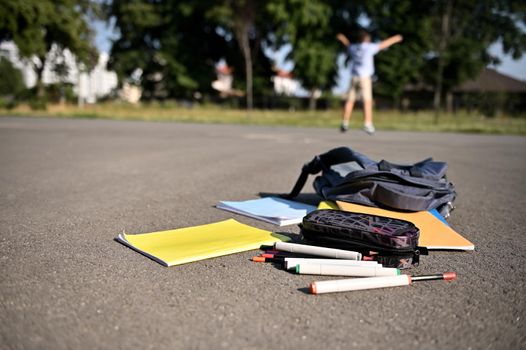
point(391, 41)
point(343, 39)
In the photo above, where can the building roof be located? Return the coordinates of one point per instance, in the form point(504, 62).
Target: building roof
point(489, 80)
point(284, 74)
point(224, 69)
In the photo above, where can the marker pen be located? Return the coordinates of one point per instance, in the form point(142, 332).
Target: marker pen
point(344, 285)
point(271, 251)
point(448, 276)
point(318, 251)
point(340, 270)
point(286, 255)
point(266, 255)
point(263, 259)
point(291, 263)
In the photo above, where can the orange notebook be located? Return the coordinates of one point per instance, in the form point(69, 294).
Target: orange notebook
point(434, 234)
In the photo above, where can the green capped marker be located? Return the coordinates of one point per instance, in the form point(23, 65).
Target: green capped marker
point(345, 270)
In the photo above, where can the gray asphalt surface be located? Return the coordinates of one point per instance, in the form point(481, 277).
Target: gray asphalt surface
point(68, 187)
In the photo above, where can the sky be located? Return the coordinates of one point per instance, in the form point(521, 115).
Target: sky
point(514, 68)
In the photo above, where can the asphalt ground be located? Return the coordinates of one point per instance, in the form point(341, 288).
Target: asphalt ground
point(68, 187)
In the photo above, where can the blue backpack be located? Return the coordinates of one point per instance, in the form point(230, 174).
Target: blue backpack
point(349, 176)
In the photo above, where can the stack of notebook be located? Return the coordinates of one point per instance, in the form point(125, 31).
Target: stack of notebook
point(275, 210)
point(181, 246)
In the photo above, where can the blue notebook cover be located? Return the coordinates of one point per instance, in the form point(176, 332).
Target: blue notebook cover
point(438, 216)
point(275, 210)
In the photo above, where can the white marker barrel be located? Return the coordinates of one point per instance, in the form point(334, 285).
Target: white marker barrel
point(290, 263)
point(317, 251)
point(340, 270)
point(350, 284)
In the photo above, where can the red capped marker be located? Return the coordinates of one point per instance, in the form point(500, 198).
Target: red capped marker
point(345, 285)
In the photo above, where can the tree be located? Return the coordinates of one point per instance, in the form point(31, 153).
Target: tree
point(35, 26)
point(171, 41)
point(248, 21)
point(464, 32)
point(177, 44)
point(12, 82)
point(401, 64)
point(306, 25)
point(446, 42)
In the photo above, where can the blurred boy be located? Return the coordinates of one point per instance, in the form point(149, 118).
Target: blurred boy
point(362, 59)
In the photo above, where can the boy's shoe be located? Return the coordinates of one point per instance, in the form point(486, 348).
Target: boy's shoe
point(344, 128)
point(369, 128)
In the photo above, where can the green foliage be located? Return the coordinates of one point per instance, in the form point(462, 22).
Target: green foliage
point(60, 92)
point(12, 82)
point(262, 71)
point(306, 25)
point(494, 104)
point(246, 22)
point(52, 93)
point(176, 44)
point(476, 25)
point(402, 63)
point(35, 25)
point(473, 26)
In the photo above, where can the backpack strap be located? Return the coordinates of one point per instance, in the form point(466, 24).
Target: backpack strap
point(313, 167)
point(319, 163)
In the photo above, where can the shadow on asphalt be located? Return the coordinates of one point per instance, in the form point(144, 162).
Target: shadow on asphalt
point(304, 290)
point(307, 198)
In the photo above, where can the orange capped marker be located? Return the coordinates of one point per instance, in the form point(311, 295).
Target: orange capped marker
point(264, 259)
point(374, 282)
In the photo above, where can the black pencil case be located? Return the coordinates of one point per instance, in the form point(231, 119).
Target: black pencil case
point(391, 242)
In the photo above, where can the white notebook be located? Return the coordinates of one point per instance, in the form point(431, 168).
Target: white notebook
point(275, 210)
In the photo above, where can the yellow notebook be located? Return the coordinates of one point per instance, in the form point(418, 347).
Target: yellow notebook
point(184, 245)
point(434, 234)
point(328, 205)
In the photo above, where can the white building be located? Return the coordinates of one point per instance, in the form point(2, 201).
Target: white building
point(88, 86)
point(284, 84)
